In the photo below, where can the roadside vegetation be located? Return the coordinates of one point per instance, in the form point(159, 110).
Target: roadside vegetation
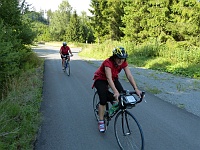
point(176, 60)
point(20, 115)
point(157, 35)
point(21, 78)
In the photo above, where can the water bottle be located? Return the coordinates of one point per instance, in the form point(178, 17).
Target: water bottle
point(114, 108)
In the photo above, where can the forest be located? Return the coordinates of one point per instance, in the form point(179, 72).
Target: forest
point(171, 27)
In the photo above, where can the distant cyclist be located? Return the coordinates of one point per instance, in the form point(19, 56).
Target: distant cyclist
point(107, 75)
point(64, 53)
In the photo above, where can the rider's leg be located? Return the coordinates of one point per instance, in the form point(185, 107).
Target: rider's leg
point(68, 58)
point(63, 62)
point(101, 111)
point(102, 89)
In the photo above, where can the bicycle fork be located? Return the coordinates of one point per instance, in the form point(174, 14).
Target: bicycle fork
point(125, 124)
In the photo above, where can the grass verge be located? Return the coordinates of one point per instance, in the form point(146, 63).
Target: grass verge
point(19, 111)
point(177, 60)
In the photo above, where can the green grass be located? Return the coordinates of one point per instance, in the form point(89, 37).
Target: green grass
point(180, 87)
point(182, 106)
point(19, 110)
point(176, 60)
point(153, 90)
point(196, 85)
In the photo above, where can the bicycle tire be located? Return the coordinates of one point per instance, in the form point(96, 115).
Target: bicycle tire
point(64, 70)
point(128, 131)
point(68, 68)
point(96, 105)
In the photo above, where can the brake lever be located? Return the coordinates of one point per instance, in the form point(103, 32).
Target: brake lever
point(143, 96)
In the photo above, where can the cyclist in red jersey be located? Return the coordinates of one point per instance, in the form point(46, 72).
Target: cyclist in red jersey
point(107, 75)
point(64, 53)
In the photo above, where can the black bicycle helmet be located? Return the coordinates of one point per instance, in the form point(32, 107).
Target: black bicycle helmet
point(64, 43)
point(120, 52)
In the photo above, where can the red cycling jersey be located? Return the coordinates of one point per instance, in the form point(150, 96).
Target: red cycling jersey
point(65, 50)
point(115, 70)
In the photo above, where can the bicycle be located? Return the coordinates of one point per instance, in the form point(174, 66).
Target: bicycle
point(128, 131)
point(67, 65)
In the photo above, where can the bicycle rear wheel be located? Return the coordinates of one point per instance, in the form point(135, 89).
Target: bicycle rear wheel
point(128, 132)
point(68, 68)
point(96, 105)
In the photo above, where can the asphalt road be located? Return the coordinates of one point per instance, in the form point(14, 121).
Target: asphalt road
point(69, 122)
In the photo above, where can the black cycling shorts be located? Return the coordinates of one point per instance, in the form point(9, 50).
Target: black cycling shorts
point(104, 94)
point(65, 56)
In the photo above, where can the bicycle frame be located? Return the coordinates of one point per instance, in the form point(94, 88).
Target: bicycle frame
point(67, 65)
point(126, 125)
point(66, 62)
point(122, 106)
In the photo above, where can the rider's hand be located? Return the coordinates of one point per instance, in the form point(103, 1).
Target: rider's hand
point(138, 92)
point(71, 54)
point(116, 96)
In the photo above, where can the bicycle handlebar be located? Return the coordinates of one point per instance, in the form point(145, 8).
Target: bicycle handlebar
point(127, 92)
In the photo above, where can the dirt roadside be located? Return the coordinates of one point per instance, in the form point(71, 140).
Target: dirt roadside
point(180, 91)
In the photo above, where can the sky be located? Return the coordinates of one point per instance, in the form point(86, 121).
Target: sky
point(78, 5)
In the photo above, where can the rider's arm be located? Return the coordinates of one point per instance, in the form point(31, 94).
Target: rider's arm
point(60, 51)
point(70, 52)
point(111, 83)
point(131, 80)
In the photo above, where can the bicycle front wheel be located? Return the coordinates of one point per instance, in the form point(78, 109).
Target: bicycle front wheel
point(128, 132)
point(68, 68)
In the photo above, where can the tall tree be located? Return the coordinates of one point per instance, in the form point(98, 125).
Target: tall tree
point(99, 20)
point(60, 20)
point(185, 20)
point(73, 32)
point(135, 11)
point(114, 15)
point(86, 30)
point(10, 13)
point(49, 15)
point(161, 20)
point(157, 18)
point(15, 33)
